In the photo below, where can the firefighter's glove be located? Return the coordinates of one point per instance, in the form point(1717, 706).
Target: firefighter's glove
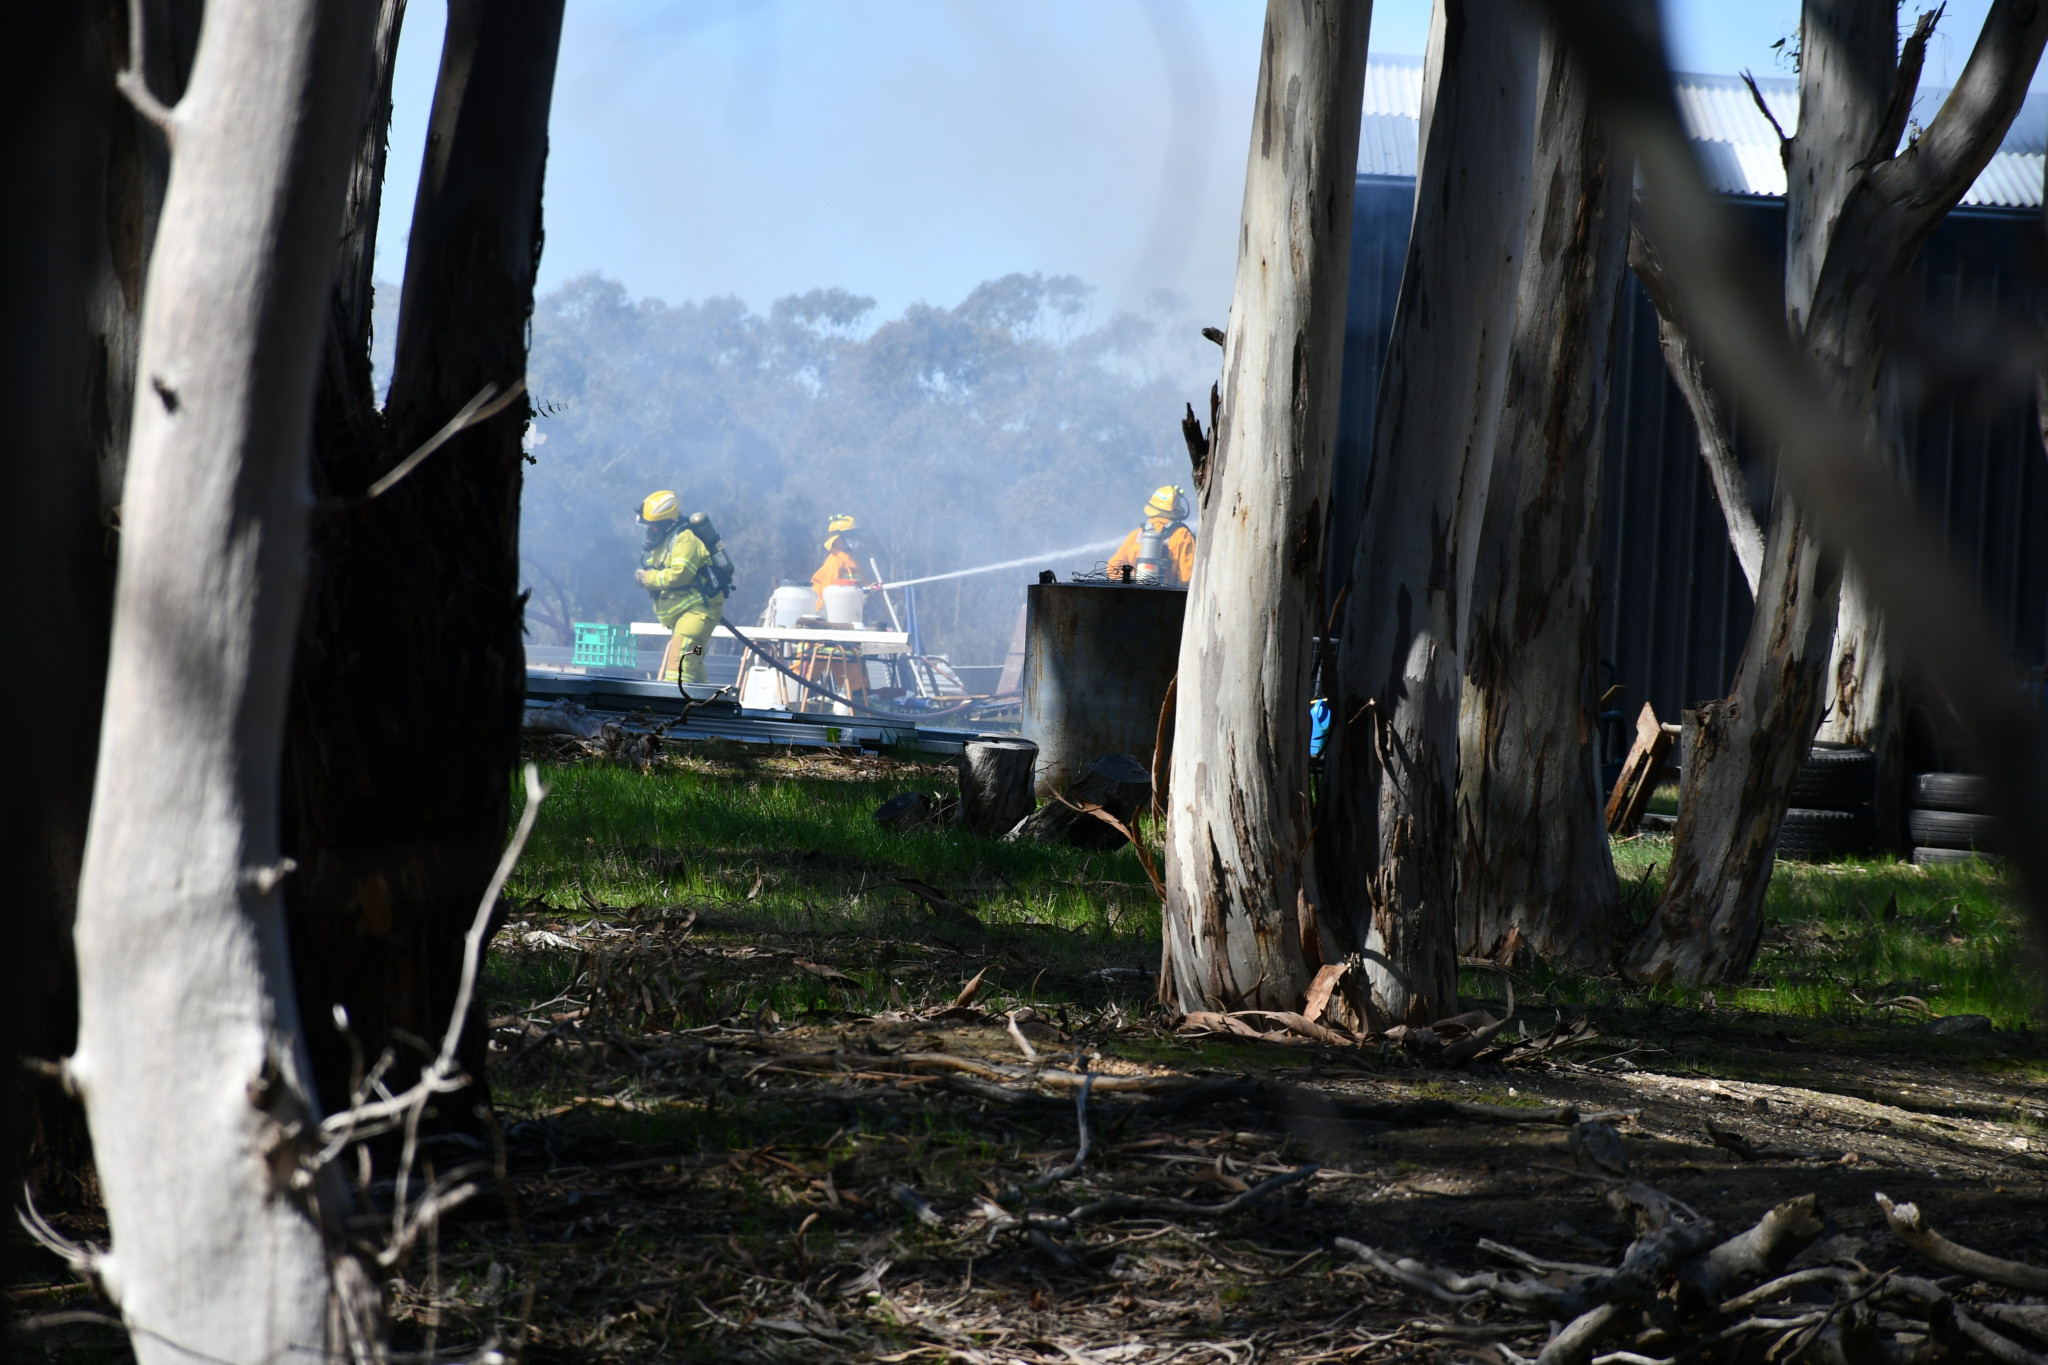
point(641, 576)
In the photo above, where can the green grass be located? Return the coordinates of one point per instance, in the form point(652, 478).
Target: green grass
point(794, 841)
point(1840, 938)
point(781, 862)
point(786, 842)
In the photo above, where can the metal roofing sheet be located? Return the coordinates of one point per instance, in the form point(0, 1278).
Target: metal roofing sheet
point(1738, 147)
point(1393, 87)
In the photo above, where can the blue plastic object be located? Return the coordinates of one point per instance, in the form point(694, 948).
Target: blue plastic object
point(1318, 726)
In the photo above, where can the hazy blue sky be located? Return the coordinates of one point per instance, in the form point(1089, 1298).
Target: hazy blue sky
point(910, 149)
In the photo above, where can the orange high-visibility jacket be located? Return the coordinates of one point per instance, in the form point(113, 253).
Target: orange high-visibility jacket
point(840, 570)
point(1179, 564)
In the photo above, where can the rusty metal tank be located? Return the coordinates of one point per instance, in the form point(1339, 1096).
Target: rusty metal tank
point(1097, 659)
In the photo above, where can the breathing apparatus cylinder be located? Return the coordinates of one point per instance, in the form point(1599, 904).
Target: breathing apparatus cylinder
point(1151, 551)
point(719, 570)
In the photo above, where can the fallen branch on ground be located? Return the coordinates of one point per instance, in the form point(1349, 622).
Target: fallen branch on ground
point(1908, 1227)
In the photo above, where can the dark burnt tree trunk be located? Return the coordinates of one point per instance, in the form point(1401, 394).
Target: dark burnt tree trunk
point(74, 531)
point(1534, 865)
point(50, 558)
point(1240, 921)
point(1857, 216)
point(411, 670)
point(1386, 835)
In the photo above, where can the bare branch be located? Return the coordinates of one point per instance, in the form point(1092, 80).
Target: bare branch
point(133, 83)
point(2002, 1349)
point(442, 1077)
point(477, 410)
point(1907, 1226)
point(1709, 416)
point(1023, 1043)
point(1931, 177)
point(1784, 142)
point(1912, 56)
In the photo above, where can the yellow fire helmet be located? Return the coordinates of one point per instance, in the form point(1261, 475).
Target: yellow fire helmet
point(841, 521)
point(660, 506)
point(1169, 501)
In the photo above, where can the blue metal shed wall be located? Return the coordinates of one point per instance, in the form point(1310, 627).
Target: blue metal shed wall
point(1675, 609)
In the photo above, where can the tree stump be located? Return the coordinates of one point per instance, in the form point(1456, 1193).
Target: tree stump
point(1117, 783)
point(996, 784)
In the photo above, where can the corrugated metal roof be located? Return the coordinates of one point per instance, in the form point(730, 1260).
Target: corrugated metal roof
point(1738, 147)
point(1393, 88)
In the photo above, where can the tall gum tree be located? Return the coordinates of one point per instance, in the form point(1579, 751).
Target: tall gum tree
point(189, 1060)
point(1862, 214)
point(1534, 864)
point(1386, 835)
point(410, 674)
point(1240, 888)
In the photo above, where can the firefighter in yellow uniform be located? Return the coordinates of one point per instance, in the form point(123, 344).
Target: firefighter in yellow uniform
point(680, 575)
point(840, 569)
point(1163, 540)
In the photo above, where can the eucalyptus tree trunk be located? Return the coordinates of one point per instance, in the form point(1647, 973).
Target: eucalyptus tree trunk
point(124, 220)
point(1386, 837)
point(1534, 864)
point(1852, 238)
point(1240, 889)
point(1856, 49)
point(410, 677)
point(188, 1056)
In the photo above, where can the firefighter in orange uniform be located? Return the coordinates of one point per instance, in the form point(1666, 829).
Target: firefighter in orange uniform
point(840, 569)
point(1161, 551)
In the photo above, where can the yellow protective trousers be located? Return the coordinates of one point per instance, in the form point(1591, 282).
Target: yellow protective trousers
point(683, 661)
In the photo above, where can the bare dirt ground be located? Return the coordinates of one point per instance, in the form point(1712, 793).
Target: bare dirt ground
point(850, 1188)
point(749, 1110)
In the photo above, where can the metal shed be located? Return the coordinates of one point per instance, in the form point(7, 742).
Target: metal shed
point(1675, 609)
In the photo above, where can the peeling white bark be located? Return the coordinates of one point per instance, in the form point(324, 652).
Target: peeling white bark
point(189, 1059)
point(1534, 861)
point(1386, 838)
point(1240, 914)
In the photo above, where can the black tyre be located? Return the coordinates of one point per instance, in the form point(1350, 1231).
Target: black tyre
point(1949, 791)
point(1835, 779)
point(1922, 857)
point(1818, 836)
point(1954, 829)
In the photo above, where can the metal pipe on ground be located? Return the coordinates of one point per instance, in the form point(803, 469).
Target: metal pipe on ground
point(1097, 661)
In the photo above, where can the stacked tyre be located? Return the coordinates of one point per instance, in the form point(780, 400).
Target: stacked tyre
point(1948, 818)
point(1830, 815)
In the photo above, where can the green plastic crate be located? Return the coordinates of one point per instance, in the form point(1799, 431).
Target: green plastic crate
point(602, 645)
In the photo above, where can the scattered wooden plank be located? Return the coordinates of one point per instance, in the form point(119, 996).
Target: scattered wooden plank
point(1647, 764)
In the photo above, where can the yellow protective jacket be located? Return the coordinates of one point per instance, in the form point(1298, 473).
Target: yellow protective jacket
point(675, 576)
point(838, 571)
point(1179, 564)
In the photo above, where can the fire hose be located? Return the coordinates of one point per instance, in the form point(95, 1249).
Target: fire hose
point(827, 693)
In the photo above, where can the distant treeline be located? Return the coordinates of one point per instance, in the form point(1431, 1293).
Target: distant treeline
point(957, 436)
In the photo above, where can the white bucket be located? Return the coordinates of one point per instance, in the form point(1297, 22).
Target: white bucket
point(788, 604)
point(845, 606)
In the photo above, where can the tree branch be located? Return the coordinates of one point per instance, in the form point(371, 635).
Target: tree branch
point(1932, 175)
point(133, 83)
point(1912, 57)
point(1709, 416)
point(1784, 142)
